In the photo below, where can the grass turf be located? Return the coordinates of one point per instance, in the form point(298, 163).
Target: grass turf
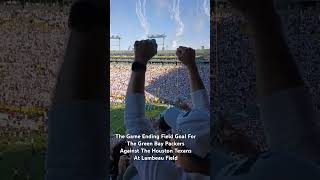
point(19, 161)
point(117, 116)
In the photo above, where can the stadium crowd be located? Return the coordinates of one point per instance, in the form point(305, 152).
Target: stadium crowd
point(164, 83)
point(234, 90)
point(33, 43)
point(235, 57)
point(233, 87)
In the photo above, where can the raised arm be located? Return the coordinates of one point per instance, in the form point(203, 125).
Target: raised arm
point(143, 52)
point(135, 100)
point(198, 93)
point(286, 108)
point(188, 57)
point(77, 139)
point(136, 123)
point(276, 69)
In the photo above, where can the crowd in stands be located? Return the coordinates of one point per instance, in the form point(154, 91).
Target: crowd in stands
point(33, 42)
point(233, 86)
point(232, 72)
point(165, 83)
point(22, 126)
point(235, 54)
point(32, 45)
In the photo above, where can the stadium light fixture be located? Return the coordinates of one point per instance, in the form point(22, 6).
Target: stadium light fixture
point(117, 37)
point(158, 36)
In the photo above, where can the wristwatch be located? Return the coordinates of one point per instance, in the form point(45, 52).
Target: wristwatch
point(84, 16)
point(138, 67)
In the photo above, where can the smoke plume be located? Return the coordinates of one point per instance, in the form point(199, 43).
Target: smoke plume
point(175, 15)
point(141, 13)
point(206, 7)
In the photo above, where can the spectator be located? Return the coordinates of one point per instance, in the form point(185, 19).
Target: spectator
point(196, 122)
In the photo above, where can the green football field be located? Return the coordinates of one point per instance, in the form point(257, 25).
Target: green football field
point(21, 159)
point(117, 116)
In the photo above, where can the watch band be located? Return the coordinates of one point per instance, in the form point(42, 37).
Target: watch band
point(138, 67)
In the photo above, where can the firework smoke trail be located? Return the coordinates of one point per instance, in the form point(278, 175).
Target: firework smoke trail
point(141, 13)
point(175, 14)
point(206, 7)
point(198, 8)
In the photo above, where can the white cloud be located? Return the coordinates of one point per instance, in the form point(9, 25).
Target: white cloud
point(199, 24)
point(174, 44)
point(206, 7)
point(175, 14)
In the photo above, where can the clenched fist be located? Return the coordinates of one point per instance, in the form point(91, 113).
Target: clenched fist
point(144, 50)
point(187, 56)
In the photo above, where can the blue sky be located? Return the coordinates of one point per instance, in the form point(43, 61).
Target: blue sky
point(124, 21)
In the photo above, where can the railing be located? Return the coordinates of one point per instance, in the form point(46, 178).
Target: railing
point(156, 60)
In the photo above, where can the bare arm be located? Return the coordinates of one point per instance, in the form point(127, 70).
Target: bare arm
point(286, 111)
point(195, 79)
point(83, 73)
point(276, 68)
point(77, 136)
point(136, 123)
point(144, 51)
point(188, 58)
point(199, 95)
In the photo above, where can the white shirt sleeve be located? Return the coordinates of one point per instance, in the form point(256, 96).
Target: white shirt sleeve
point(200, 100)
point(136, 123)
point(134, 115)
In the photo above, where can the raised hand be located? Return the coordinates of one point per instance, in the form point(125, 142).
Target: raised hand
point(144, 50)
point(187, 56)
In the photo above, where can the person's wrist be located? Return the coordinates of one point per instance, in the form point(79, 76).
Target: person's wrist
point(191, 66)
point(141, 60)
point(138, 67)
